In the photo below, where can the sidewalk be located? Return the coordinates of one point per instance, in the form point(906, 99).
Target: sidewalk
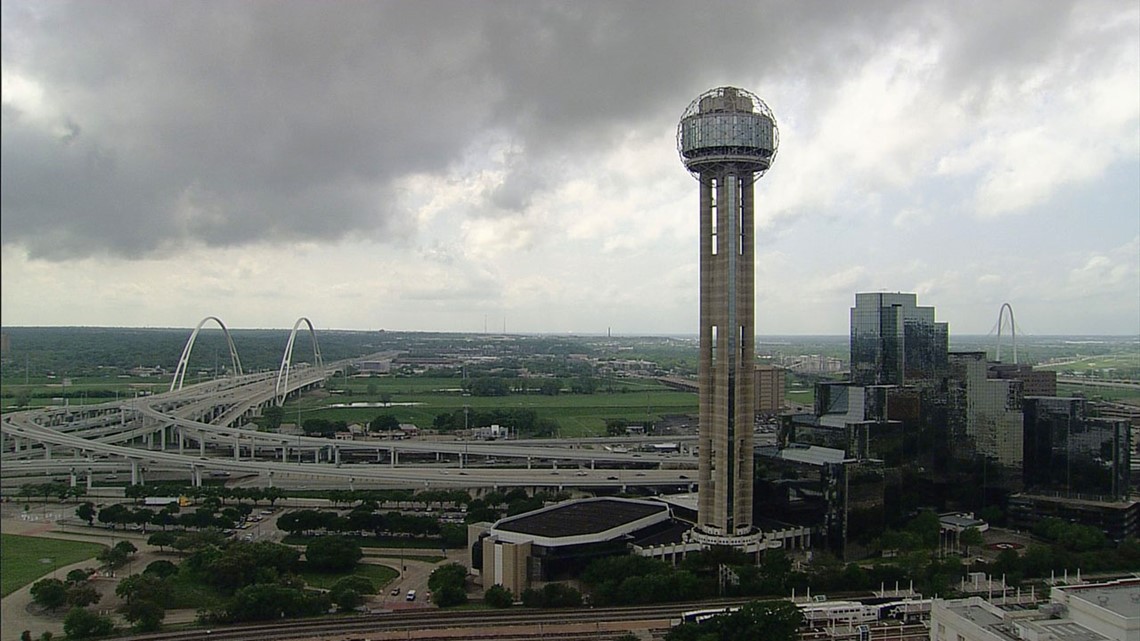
point(17, 611)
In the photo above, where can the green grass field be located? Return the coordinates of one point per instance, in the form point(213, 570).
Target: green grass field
point(379, 575)
point(27, 558)
point(1112, 394)
point(419, 400)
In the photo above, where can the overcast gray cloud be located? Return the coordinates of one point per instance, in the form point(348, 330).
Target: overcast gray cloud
point(472, 141)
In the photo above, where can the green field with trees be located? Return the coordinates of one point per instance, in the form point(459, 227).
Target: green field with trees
point(421, 401)
point(27, 558)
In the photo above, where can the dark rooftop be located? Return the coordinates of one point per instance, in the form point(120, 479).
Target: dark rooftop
point(580, 517)
point(666, 533)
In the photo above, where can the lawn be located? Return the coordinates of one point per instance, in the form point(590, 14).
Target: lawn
point(27, 558)
point(379, 575)
point(418, 401)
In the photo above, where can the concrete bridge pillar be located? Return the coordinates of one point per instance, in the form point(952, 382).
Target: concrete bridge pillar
point(528, 462)
point(395, 457)
point(196, 475)
point(201, 444)
point(271, 477)
point(181, 440)
point(73, 480)
point(89, 475)
point(592, 463)
point(350, 486)
point(462, 460)
point(162, 438)
point(336, 455)
point(134, 472)
point(237, 449)
point(47, 451)
point(284, 454)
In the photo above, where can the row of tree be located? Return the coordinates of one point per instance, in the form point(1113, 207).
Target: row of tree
point(525, 422)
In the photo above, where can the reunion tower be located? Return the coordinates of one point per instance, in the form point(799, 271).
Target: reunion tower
point(727, 138)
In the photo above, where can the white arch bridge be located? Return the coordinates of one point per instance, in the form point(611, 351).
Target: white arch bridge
point(208, 428)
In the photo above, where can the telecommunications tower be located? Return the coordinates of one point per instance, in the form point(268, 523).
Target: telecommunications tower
point(727, 138)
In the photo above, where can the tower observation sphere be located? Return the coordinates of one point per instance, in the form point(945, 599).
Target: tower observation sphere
point(727, 125)
point(727, 138)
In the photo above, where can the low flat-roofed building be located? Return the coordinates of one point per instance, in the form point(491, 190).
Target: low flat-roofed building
point(1087, 612)
point(1111, 609)
point(558, 541)
point(1119, 519)
point(960, 522)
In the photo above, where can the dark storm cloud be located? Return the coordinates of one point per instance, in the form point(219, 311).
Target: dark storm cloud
point(235, 123)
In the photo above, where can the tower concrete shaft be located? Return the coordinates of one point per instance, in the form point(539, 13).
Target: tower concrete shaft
point(727, 358)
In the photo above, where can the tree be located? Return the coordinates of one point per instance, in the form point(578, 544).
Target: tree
point(82, 624)
point(83, 595)
point(358, 583)
point(115, 514)
point(49, 593)
point(768, 620)
point(349, 592)
point(265, 601)
point(347, 600)
point(453, 574)
point(161, 569)
point(552, 595)
point(450, 596)
point(497, 596)
point(970, 537)
point(86, 511)
point(77, 576)
point(143, 587)
point(926, 527)
point(333, 554)
point(161, 539)
point(273, 415)
point(144, 614)
point(384, 423)
point(550, 387)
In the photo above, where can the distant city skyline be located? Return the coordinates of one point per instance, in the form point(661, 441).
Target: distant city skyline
point(434, 166)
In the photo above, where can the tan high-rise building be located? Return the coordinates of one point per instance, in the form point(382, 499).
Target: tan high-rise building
point(770, 389)
point(727, 138)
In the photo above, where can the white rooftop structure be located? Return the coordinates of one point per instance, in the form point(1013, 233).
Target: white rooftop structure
point(1090, 612)
point(1112, 609)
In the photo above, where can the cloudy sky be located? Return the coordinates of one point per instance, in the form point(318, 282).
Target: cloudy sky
point(487, 164)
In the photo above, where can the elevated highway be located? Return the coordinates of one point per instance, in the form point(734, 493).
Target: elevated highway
point(207, 429)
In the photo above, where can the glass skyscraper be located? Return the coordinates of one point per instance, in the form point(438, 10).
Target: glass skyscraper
point(894, 341)
point(1068, 451)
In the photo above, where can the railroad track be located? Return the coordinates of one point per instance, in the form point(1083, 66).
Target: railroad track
point(358, 627)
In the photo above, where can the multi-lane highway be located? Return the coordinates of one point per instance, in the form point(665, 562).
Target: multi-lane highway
point(207, 429)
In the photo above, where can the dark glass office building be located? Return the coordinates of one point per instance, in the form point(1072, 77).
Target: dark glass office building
point(894, 341)
point(1071, 453)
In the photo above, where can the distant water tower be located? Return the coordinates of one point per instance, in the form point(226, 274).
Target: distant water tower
point(727, 138)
